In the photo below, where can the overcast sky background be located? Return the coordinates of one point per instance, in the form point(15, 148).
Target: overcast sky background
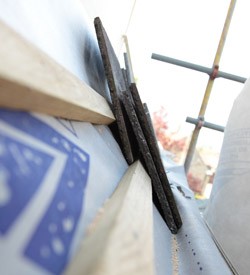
point(190, 31)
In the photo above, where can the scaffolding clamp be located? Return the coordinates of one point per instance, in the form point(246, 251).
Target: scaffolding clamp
point(215, 72)
point(200, 122)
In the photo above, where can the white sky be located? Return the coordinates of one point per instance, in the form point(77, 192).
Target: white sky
point(189, 30)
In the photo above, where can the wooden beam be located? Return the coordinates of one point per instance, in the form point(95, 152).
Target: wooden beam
point(122, 241)
point(32, 81)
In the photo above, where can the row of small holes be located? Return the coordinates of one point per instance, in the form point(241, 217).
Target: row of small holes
point(198, 263)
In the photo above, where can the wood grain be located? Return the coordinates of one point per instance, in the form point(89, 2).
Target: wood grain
point(32, 81)
point(122, 241)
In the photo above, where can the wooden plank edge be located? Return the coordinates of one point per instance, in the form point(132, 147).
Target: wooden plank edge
point(28, 75)
point(16, 96)
point(122, 241)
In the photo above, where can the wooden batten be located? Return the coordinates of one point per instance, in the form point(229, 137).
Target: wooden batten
point(121, 242)
point(32, 81)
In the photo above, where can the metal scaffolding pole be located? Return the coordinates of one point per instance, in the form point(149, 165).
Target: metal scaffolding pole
point(202, 123)
point(213, 74)
point(198, 68)
point(212, 77)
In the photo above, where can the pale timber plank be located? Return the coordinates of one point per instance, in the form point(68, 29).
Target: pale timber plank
point(121, 242)
point(32, 81)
